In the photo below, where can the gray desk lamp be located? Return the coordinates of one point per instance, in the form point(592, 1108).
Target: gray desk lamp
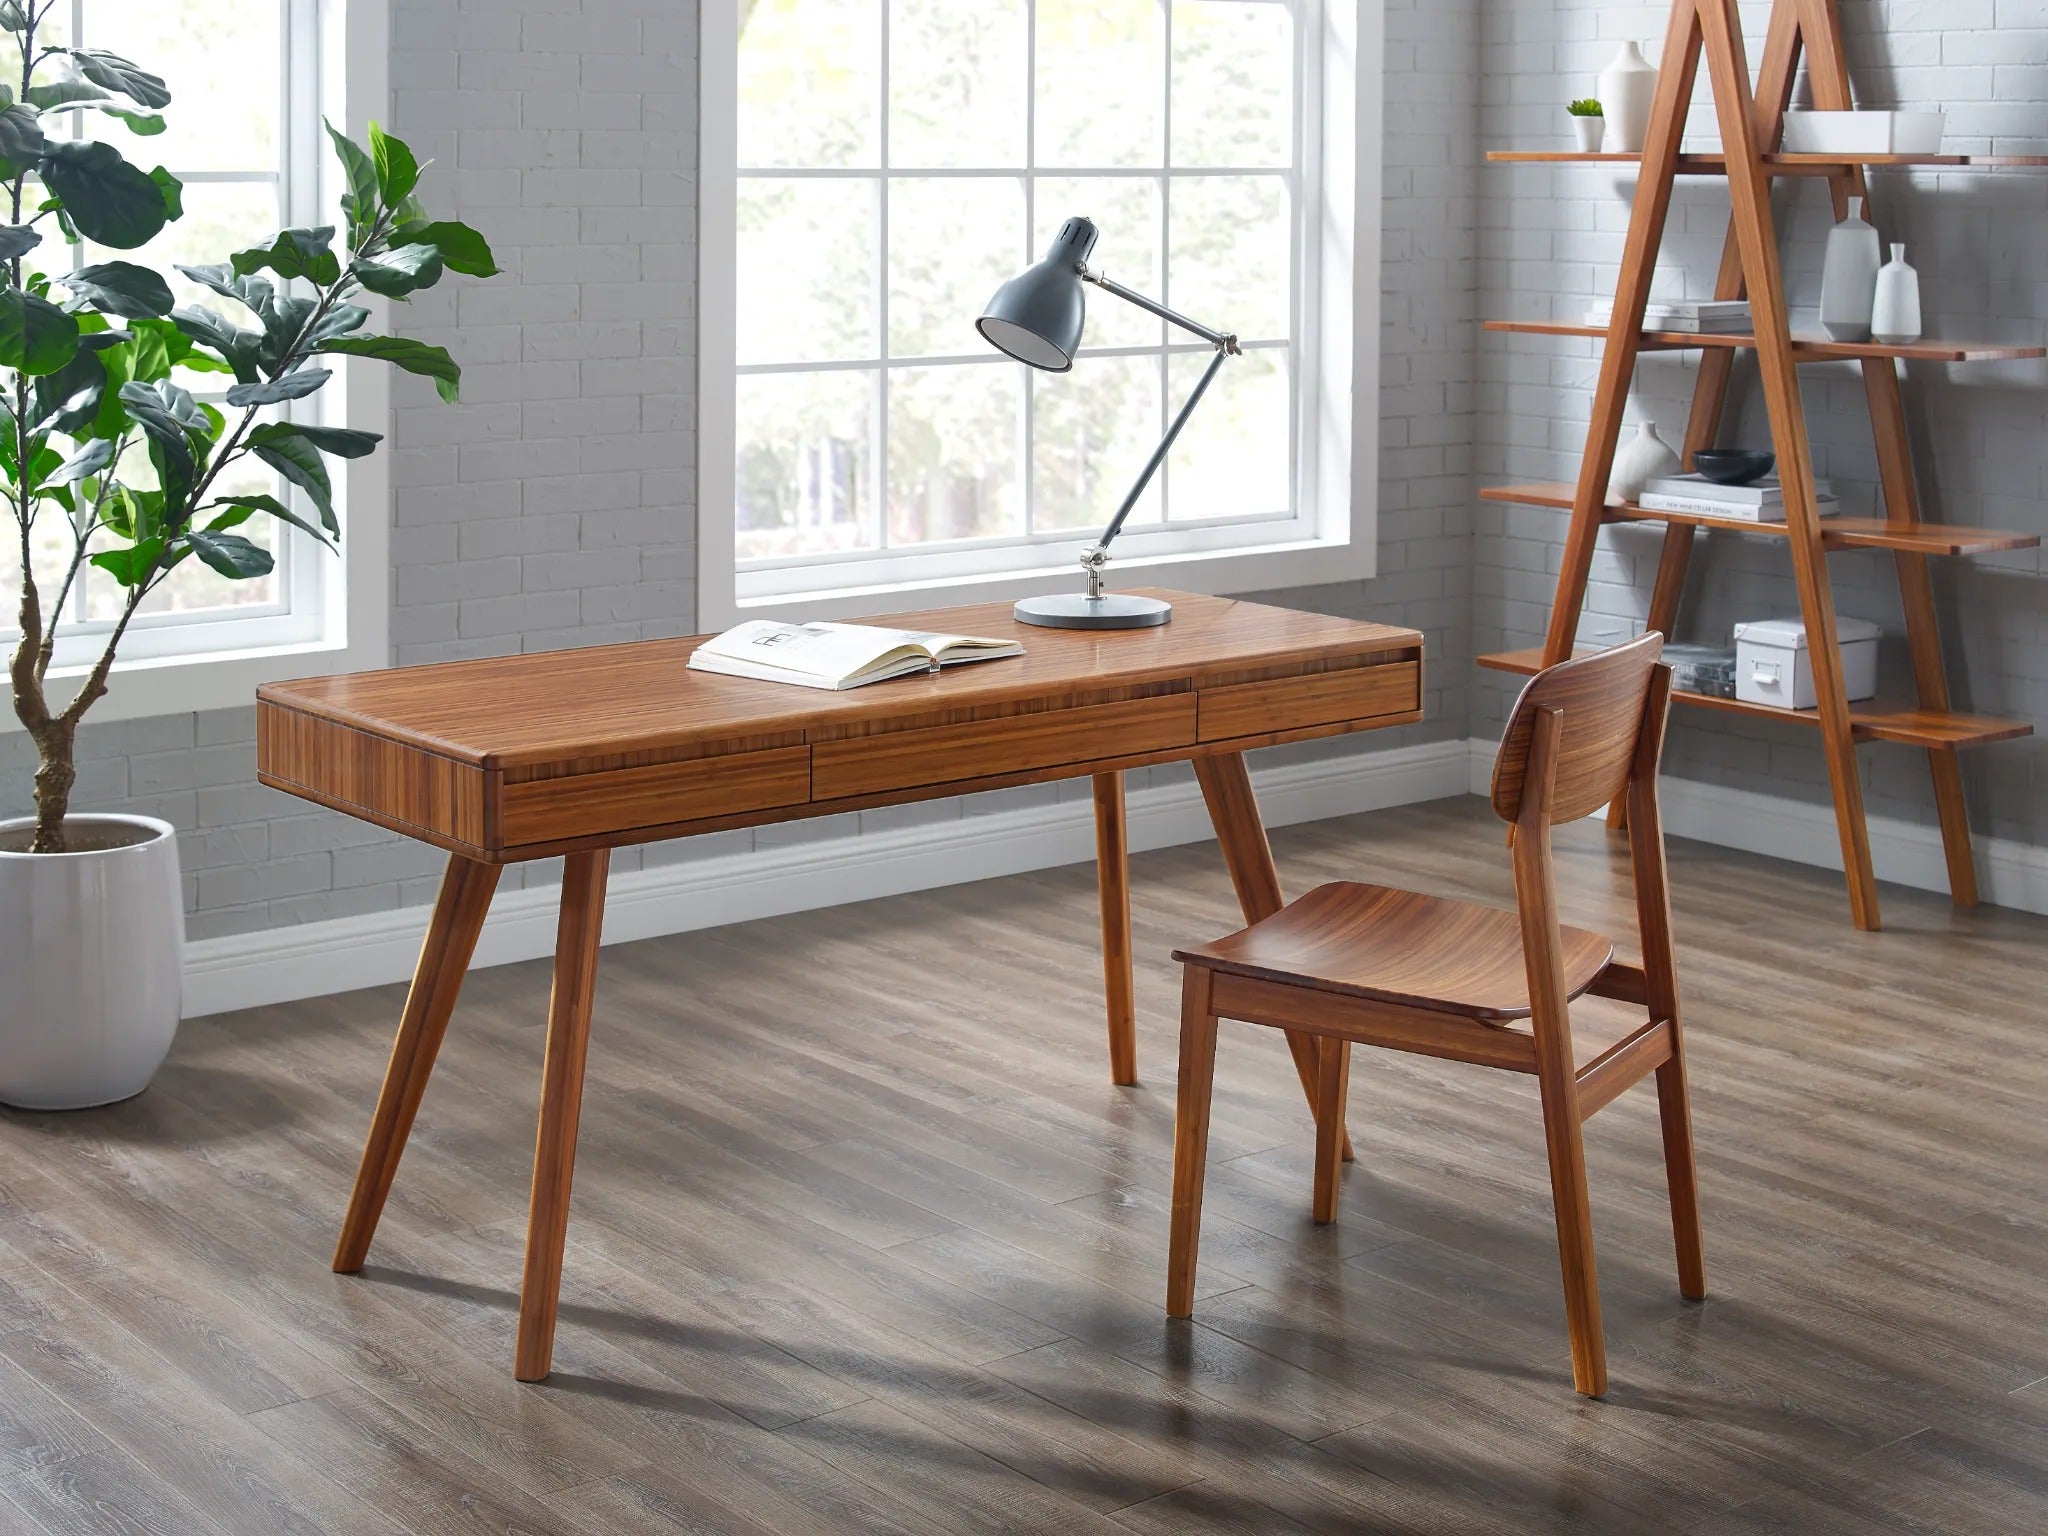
point(1036, 317)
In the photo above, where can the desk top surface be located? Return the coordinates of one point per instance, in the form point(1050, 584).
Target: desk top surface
point(555, 706)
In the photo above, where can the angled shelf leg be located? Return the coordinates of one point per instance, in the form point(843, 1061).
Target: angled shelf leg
point(1749, 191)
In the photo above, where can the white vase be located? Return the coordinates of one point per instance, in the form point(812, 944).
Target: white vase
point(1628, 88)
point(1589, 132)
point(1644, 458)
point(1848, 278)
point(91, 949)
point(1895, 311)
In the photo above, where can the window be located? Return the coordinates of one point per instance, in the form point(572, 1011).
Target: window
point(249, 81)
point(873, 169)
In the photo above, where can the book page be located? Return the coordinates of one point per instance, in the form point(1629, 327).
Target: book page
point(834, 651)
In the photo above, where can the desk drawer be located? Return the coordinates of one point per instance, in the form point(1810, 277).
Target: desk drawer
point(972, 749)
point(1319, 698)
point(619, 799)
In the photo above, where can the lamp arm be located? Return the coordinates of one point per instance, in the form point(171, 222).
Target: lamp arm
point(1225, 345)
point(1171, 317)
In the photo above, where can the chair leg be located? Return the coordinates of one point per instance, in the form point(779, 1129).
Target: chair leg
point(1190, 1137)
point(1674, 1108)
point(1575, 1240)
point(1333, 1083)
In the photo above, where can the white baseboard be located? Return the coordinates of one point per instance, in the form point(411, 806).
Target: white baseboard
point(315, 959)
point(2009, 873)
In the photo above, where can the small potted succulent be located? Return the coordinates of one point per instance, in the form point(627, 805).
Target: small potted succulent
point(114, 457)
point(1588, 123)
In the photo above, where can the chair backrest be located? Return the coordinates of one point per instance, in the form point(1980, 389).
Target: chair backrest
point(1600, 702)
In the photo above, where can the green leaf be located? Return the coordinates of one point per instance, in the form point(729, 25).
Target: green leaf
point(17, 240)
point(172, 191)
point(342, 442)
point(68, 400)
point(13, 16)
point(36, 337)
point(230, 554)
point(61, 95)
point(397, 171)
point(361, 174)
point(176, 473)
point(462, 248)
point(106, 198)
point(413, 356)
point(237, 346)
point(131, 567)
point(172, 419)
point(21, 139)
point(338, 321)
point(133, 514)
point(96, 454)
point(281, 445)
point(276, 509)
point(144, 125)
point(119, 288)
point(294, 253)
point(251, 292)
point(292, 386)
point(119, 75)
point(402, 270)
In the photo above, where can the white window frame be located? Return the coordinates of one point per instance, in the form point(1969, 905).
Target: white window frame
point(1332, 536)
point(340, 619)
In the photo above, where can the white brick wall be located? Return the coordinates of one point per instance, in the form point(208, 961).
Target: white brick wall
point(1552, 238)
point(555, 505)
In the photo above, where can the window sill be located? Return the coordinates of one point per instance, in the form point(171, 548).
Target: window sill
point(1293, 563)
point(180, 685)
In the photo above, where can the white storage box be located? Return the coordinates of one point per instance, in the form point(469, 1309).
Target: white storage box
point(1774, 666)
point(1864, 133)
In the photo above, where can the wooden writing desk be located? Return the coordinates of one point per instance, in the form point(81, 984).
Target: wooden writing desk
point(580, 752)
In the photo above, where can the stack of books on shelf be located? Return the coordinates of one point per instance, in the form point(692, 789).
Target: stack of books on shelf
point(1763, 502)
point(1691, 315)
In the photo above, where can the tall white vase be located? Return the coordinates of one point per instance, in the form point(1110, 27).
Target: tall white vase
point(1895, 313)
point(1848, 278)
point(1628, 87)
point(91, 945)
point(1644, 458)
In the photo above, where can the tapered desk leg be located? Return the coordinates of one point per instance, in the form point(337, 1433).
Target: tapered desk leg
point(459, 911)
point(1113, 876)
point(1234, 811)
point(561, 1104)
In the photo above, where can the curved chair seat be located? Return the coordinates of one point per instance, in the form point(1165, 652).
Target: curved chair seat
point(1400, 947)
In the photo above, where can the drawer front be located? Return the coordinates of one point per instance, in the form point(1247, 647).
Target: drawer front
point(1320, 698)
point(594, 804)
point(945, 754)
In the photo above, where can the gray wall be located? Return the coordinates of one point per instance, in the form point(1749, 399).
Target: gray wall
point(1552, 238)
point(555, 505)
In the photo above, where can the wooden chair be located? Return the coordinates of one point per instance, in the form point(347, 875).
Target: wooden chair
point(1466, 982)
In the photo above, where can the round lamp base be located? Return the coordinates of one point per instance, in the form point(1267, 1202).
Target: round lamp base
point(1076, 610)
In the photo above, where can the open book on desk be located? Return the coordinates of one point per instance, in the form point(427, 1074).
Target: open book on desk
point(822, 655)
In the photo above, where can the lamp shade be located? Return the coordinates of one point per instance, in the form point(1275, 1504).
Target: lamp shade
point(1037, 316)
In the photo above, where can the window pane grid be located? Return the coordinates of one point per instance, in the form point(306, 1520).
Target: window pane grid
point(926, 486)
point(95, 600)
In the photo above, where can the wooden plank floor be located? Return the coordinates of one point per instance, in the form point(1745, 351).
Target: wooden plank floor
point(864, 1241)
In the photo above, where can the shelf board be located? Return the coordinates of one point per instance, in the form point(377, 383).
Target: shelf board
point(1805, 349)
point(1780, 164)
point(1871, 719)
point(1836, 532)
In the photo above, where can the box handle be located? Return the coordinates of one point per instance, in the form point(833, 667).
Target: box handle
point(1767, 672)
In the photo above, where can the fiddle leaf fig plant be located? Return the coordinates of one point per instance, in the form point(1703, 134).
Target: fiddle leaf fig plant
point(101, 432)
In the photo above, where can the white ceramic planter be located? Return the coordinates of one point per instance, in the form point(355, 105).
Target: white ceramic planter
point(91, 945)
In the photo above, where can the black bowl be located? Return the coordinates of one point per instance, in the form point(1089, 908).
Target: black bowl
point(1733, 466)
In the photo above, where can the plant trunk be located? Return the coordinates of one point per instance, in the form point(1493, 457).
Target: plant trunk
point(56, 772)
point(55, 736)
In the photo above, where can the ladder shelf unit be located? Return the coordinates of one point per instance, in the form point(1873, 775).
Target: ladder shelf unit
point(1708, 33)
